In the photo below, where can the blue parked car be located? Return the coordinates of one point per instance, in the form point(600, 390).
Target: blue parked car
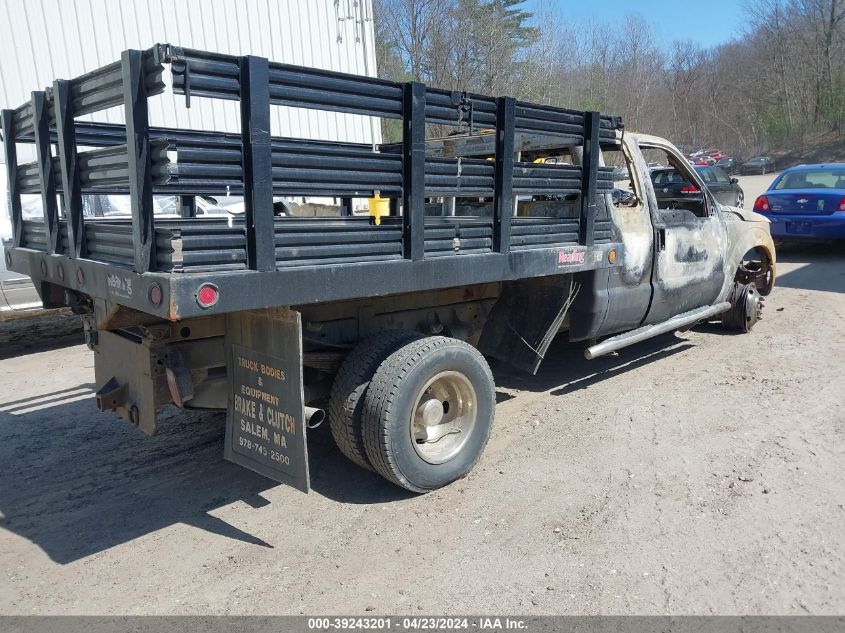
point(806, 203)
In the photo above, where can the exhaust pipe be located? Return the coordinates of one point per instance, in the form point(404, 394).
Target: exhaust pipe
point(314, 417)
point(687, 319)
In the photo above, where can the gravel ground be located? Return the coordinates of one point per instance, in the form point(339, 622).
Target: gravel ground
point(753, 186)
point(692, 474)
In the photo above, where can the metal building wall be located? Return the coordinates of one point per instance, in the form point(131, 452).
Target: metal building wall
point(42, 40)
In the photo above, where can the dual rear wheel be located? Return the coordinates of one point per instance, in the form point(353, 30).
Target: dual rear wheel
point(417, 410)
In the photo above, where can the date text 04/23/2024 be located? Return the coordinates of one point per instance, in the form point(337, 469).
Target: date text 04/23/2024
point(423, 623)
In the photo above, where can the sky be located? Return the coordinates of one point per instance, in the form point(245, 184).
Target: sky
point(707, 22)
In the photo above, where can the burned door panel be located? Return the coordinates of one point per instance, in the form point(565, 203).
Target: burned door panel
point(615, 300)
point(690, 242)
point(629, 286)
point(689, 263)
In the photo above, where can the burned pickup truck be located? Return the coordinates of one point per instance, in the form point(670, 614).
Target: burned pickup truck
point(499, 237)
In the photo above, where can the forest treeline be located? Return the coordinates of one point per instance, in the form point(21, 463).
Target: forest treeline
point(779, 85)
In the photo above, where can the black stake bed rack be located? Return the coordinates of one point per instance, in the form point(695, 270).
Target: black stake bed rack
point(156, 263)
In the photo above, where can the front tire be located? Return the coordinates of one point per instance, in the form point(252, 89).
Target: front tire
point(428, 413)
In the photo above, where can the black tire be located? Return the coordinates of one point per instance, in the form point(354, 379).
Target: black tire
point(740, 200)
point(350, 384)
point(389, 407)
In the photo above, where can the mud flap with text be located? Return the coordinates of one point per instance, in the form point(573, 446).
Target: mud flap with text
point(265, 421)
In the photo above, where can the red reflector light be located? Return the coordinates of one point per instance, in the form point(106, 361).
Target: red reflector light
point(761, 205)
point(841, 206)
point(690, 189)
point(156, 295)
point(207, 295)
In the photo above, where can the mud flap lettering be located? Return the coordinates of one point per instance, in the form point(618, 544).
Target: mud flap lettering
point(265, 422)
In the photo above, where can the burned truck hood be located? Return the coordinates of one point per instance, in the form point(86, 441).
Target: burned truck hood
point(742, 214)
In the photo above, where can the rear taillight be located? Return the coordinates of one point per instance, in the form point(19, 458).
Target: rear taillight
point(207, 295)
point(761, 205)
point(690, 189)
point(841, 206)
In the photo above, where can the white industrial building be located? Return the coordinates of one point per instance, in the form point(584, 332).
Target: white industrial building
point(43, 40)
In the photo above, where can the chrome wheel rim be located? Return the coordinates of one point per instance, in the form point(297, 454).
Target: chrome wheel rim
point(753, 306)
point(443, 417)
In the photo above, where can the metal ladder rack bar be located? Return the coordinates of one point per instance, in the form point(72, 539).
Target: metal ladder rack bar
point(257, 159)
point(71, 187)
point(413, 171)
point(589, 178)
point(11, 155)
point(138, 154)
point(503, 175)
point(187, 206)
point(41, 119)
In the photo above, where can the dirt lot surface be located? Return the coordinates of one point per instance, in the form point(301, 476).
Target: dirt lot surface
point(699, 473)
